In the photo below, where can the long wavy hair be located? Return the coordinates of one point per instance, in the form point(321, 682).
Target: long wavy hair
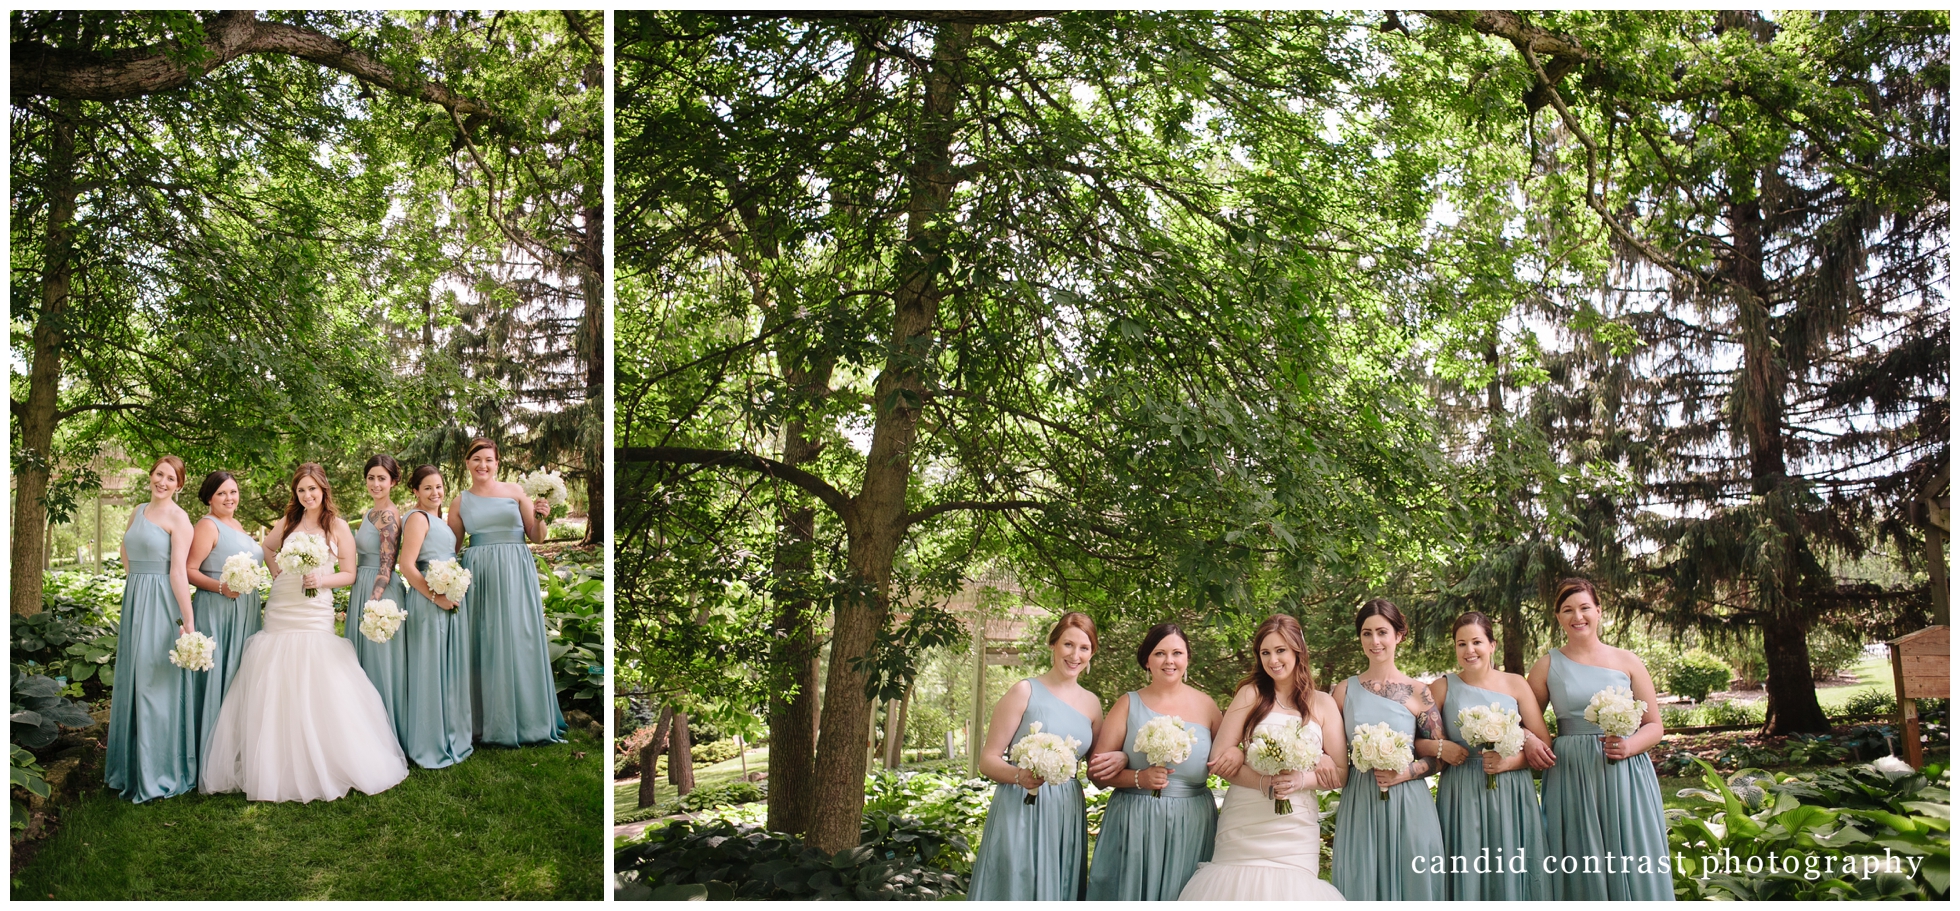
point(296, 512)
point(1301, 689)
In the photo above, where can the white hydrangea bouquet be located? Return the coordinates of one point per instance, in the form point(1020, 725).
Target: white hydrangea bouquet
point(449, 579)
point(193, 651)
point(1616, 711)
point(242, 574)
point(1165, 742)
point(1049, 756)
point(1280, 748)
point(1380, 748)
point(546, 484)
point(381, 619)
point(303, 553)
point(1493, 728)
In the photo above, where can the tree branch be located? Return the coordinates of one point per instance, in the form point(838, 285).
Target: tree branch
point(915, 518)
point(725, 458)
point(942, 17)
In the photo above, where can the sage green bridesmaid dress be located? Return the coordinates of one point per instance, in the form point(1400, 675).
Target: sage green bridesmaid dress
point(386, 663)
point(153, 736)
point(228, 621)
point(515, 700)
point(1039, 851)
point(1149, 846)
point(1375, 840)
point(435, 717)
point(1598, 813)
point(1498, 831)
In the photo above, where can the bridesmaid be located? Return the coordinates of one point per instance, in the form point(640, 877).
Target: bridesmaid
point(1499, 832)
point(436, 637)
point(1384, 850)
point(227, 616)
point(1039, 852)
point(1604, 829)
point(514, 699)
point(153, 736)
point(376, 545)
point(1150, 846)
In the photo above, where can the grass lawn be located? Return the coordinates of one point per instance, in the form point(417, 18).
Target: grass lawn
point(503, 824)
point(1873, 674)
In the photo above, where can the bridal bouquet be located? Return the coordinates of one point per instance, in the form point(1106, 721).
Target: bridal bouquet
point(302, 554)
point(1048, 756)
point(546, 484)
point(1615, 710)
point(381, 619)
point(1379, 747)
point(1281, 748)
point(1165, 742)
point(449, 579)
point(1494, 728)
point(242, 574)
point(193, 651)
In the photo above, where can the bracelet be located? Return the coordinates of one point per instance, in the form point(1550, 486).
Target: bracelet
point(1136, 779)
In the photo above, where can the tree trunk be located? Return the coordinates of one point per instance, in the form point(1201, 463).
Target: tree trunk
point(33, 449)
point(650, 759)
point(895, 731)
point(876, 525)
point(1791, 692)
point(680, 757)
point(793, 721)
point(1933, 517)
point(593, 349)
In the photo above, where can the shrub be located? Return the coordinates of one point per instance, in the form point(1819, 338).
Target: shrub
point(723, 860)
point(1832, 650)
point(1730, 711)
point(1696, 674)
point(714, 751)
point(1872, 702)
point(72, 637)
point(24, 772)
point(575, 618)
point(926, 727)
point(39, 711)
point(721, 795)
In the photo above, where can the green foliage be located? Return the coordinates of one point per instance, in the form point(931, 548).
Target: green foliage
point(574, 609)
point(38, 710)
point(1873, 702)
point(721, 795)
point(1859, 813)
point(714, 751)
point(1833, 649)
point(74, 635)
point(1696, 674)
point(926, 726)
point(24, 772)
point(722, 860)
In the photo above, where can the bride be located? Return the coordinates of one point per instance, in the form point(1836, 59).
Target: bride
point(300, 719)
point(1260, 854)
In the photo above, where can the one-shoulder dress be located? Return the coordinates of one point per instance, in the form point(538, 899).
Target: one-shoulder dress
point(436, 705)
point(1495, 836)
point(385, 663)
point(1605, 831)
point(1149, 846)
point(514, 698)
point(153, 735)
point(1374, 839)
point(1038, 851)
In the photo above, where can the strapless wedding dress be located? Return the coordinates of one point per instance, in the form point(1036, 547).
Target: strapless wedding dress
point(300, 719)
point(1260, 855)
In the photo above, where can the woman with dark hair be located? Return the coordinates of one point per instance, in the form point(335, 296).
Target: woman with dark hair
point(153, 737)
point(302, 722)
point(228, 617)
point(1260, 854)
point(436, 637)
point(1039, 851)
point(1605, 833)
point(1150, 845)
point(1498, 821)
point(1382, 847)
point(375, 579)
point(514, 698)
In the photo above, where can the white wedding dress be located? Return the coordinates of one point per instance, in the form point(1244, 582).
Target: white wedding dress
point(1260, 855)
point(300, 720)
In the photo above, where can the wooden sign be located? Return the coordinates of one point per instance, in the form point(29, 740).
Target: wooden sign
point(1919, 671)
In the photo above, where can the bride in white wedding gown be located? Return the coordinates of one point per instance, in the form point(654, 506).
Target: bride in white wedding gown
point(300, 719)
point(1259, 854)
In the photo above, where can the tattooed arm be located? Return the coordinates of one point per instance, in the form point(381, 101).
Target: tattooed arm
point(1429, 732)
point(390, 526)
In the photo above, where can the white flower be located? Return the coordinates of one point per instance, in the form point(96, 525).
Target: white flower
point(1049, 756)
point(546, 484)
point(242, 573)
point(448, 578)
point(1165, 741)
point(1379, 747)
point(1284, 747)
point(1616, 711)
point(1892, 766)
point(303, 553)
point(1493, 726)
point(381, 619)
point(193, 651)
